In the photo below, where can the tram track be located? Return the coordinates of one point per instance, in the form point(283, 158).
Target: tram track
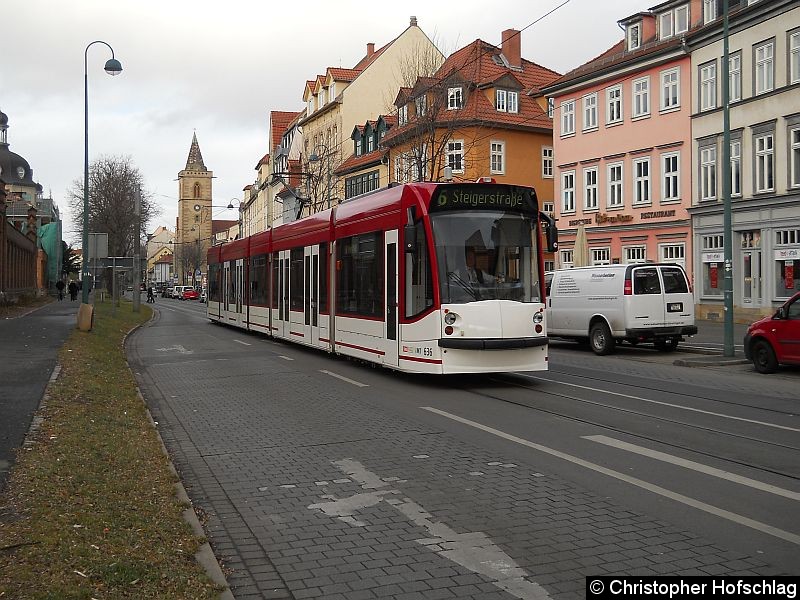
point(564, 415)
point(661, 390)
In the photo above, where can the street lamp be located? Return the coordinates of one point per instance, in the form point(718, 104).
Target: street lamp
point(112, 67)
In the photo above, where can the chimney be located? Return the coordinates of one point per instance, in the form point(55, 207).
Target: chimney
point(370, 49)
point(511, 47)
point(413, 22)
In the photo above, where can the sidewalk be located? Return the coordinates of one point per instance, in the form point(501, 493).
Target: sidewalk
point(29, 346)
point(707, 346)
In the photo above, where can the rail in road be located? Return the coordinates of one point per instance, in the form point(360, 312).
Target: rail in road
point(326, 478)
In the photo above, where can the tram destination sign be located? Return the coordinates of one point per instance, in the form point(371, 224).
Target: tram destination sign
point(509, 198)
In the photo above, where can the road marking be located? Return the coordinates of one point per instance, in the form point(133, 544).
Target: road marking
point(343, 378)
point(285, 357)
point(656, 489)
point(175, 348)
point(695, 466)
point(473, 550)
point(698, 410)
point(242, 343)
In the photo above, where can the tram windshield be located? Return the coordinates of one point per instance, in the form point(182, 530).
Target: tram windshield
point(486, 255)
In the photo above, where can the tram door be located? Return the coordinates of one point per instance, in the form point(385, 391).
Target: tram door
point(390, 326)
point(280, 324)
point(225, 291)
point(239, 291)
point(311, 308)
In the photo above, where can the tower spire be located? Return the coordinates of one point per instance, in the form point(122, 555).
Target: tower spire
point(195, 160)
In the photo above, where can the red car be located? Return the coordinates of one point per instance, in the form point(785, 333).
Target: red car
point(775, 340)
point(190, 294)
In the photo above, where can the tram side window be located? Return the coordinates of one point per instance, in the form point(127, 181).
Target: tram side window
point(213, 284)
point(359, 275)
point(323, 277)
point(276, 265)
point(419, 281)
point(296, 289)
point(258, 280)
point(232, 282)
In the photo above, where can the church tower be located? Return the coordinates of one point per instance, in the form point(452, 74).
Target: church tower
point(193, 229)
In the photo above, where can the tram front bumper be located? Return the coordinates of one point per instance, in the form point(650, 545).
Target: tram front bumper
point(493, 343)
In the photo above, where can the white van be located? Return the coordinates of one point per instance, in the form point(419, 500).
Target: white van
point(612, 303)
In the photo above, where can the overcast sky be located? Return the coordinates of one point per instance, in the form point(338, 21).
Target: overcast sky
point(219, 68)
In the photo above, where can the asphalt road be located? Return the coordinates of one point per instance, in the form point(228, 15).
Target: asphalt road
point(323, 477)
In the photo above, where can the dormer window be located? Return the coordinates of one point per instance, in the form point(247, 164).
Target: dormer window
point(332, 91)
point(421, 105)
point(634, 36)
point(507, 101)
point(310, 107)
point(402, 115)
point(455, 98)
point(673, 22)
point(370, 143)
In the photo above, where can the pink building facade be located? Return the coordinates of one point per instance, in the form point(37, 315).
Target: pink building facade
point(623, 147)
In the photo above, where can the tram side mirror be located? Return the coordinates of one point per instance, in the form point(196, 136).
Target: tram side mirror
point(410, 239)
point(550, 231)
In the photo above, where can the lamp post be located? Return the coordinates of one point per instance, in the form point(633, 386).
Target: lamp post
point(198, 259)
point(727, 217)
point(112, 67)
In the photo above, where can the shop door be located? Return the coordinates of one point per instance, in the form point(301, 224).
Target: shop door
point(751, 277)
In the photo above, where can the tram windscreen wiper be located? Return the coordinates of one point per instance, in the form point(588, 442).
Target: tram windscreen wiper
point(465, 285)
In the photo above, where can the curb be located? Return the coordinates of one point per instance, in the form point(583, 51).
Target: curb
point(716, 360)
point(205, 555)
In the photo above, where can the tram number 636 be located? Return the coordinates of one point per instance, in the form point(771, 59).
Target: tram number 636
point(427, 352)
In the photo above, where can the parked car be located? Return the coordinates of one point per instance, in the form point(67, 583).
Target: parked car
point(177, 291)
point(189, 293)
point(775, 340)
point(167, 292)
point(611, 303)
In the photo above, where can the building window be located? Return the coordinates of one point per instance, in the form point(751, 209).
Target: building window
point(708, 86)
point(634, 36)
point(549, 265)
point(709, 10)
point(548, 207)
point(736, 168)
point(590, 112)
point(547, 161)
point(568, 117)
point(672, 253)
point(402, 115)
point(673, 22)
point(794, 157)
point(765, 163)
point(635, 254)
point(794, 57)
point(708, 173)
point(665, 25)
point(370, 143)
point(551, 107)
point(590, 189)
point(765, 67)
point(641, 97)
point(361, 184)
point(421, 105)
point(601, 256)
point(614, 104)
point(670, 89)
point(735, 77)
point(455, 98)
point(787, 262)
point(712, 263)
point(670, 169)
point(500, 100)
point(455, 155)
point(641, 181)
point(568, 192)
point(497, 158)
point(615, 185)
point(567, 259)
point(513, 102)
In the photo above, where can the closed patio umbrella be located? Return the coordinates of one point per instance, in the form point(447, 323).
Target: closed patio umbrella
point(580, 254)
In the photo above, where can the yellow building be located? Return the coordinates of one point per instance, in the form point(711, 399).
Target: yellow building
point(193, 228)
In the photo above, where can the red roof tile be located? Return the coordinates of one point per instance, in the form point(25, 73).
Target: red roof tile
point(279, 123)
point(340, 74)
point(219, 225)
point(353, 162)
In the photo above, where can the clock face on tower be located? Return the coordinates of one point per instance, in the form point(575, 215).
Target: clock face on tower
point(196, 207)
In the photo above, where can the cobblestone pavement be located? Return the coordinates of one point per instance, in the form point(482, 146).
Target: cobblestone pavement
point(312, 491)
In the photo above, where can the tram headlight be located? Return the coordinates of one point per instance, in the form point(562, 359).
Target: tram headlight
point(538, 317)
point(450, 318)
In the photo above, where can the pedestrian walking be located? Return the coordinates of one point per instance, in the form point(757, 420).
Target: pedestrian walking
point(60, 288)
point(73, 290)
point(151, 299)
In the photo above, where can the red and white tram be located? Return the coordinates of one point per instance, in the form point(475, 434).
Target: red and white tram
point(420, 277)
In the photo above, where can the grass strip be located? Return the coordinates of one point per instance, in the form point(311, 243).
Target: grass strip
point(90, 509)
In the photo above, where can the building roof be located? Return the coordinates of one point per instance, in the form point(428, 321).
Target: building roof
point(279, 123)
point(195, 160)
point(166, 258)
point(354, 163)
point(219, 225)
point(340, 74)
point(480, 64)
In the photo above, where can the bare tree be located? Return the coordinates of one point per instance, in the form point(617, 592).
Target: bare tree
point(113, 183)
